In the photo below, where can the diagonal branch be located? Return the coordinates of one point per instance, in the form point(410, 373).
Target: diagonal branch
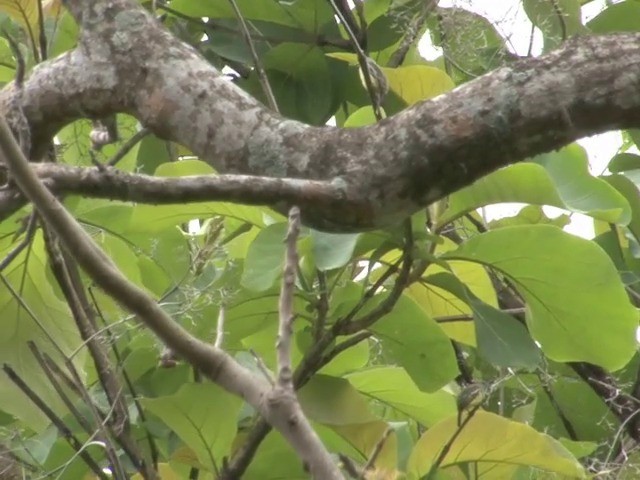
point(214, 363)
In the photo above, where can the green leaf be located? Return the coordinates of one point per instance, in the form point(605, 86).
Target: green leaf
point(579, 190)
point(566, 393)
point(417, 82)
point(204, 417)
point(627, 164)
point(619, 17)
point(562, 180)
point(393, 387)
point(503, 340)
point(333, 401)
point(417, 343)
point(490, 439)
point(308, 14)
point(332, 250)
point(153, 152)
point(360, 118)
point(265, 258)
point(301, 82)
point(31, 312)
point(572, 289)
point(630, 191)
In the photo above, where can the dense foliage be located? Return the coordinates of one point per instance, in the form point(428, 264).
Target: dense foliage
point(444, 347)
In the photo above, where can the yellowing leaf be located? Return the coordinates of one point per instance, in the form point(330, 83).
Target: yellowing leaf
point(25, 12)
point(491, 439)
point(415, 83)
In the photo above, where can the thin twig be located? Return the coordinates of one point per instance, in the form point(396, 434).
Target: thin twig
point(220, 327)
point(560, 15)
point(42, 37)
point(375, 453)
point(128, 145)
point(322, 305)
point(262, 366)
point(64, 430)
point(447, 447)
point(285, 324)
point(556, 406)
point(363, 61)
point(262, 75)
point(30, 231)
point(412, 33)
point(347, 325)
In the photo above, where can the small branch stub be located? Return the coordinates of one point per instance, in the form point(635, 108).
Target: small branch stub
point(283, 347)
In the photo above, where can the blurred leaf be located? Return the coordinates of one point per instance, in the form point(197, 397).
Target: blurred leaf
point(35, 315)
point(617, 17)
point(557, 20)
point(308, 15)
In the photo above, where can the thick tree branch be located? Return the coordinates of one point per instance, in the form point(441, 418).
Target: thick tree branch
point(116, 185)
point(394, 167)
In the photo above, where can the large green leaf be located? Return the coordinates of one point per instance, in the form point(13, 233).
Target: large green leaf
point(333, 401)
point(417, 82)
point(560, 179)
point(332, 250)
point(204, 416)
point(265, 258)
point(31, 312)
point(393, 386)
point(502, 340)
point(572, 289)
point(417, 343)
point(490, 439)
point(301, 82)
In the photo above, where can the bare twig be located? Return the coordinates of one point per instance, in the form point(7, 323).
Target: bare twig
point(447, 447)
point(15, 251)
point(348, 325)
point(322, 305)
point(220, 327)
point(556, 406)
point(262, 75)
point(64, 430)
point(560, 15)
point(375, 453)
point(367, 65)
point(283, 346)
point(413, 30)
point(128, 145)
